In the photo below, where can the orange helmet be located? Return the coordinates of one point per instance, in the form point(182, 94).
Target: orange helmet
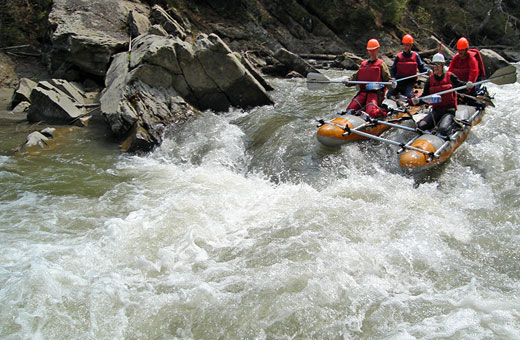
point(372, 44)
point(462, 44)
point(407, 39)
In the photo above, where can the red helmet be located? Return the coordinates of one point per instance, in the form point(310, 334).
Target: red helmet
point(372, 44)
point(407, 39)
point(462, 44)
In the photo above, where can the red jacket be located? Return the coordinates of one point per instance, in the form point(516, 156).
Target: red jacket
point(467, 68)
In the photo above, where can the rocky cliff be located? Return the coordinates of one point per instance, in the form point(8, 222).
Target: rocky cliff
point(336, 26)
point(308, 26)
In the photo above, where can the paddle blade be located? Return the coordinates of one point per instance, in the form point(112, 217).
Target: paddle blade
point(432, 99)
point(314, 77)
point(486, 100)
point(316, 86)
point(503, 76)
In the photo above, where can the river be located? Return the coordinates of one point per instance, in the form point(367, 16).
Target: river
point(242, 226)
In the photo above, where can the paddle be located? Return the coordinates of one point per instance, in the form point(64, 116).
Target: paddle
point(412, 76)
point(314, 80)
point(320, 79)
point(483, 99)
point(505, 75)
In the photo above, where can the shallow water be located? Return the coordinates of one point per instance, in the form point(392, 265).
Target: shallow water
point(241, 226)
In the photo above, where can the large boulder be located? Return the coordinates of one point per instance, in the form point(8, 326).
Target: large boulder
point(492, 61)
point(53, 105)
point(234, 83)
point(164, 80)
point(86, 33)
point(138, 110)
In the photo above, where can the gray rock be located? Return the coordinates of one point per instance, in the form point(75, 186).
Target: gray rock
point(294, 62)
point(157, 30)
point(22, 92)
point(35, 138)
point(83, 38)
point(254, 72)
point(347, 61)
point(156, 50)
point(150, 88)
point(137, 23)
point(492, 61)
point(138, 104)
point(48, 132)
point(51, 105)
point(21, 107)
point(161, 17)
point(119, 116)
point(512, 55)
point(69, 89)
point(231, 77)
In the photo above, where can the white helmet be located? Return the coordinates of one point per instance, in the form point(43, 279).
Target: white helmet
point(438, 58)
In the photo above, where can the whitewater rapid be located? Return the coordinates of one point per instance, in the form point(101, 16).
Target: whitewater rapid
point(241, 226)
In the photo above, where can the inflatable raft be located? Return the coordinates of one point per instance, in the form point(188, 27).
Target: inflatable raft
point(336, 132)
point(427, 150)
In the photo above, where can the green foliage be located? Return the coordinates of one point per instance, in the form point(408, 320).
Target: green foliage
point(360, 18)
point(423, 18)
point(392, 10)
point(23, 22)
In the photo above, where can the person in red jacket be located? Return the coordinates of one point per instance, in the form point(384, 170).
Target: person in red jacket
point(443, 112)
point(465, 65)
point(406, 63)
point(374, 70)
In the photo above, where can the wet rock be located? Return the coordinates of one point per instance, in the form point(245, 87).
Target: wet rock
point(165, 80)
point(35, 139)
point(512, 55)
point(51, 105)
point(137, 111)
point(22, 92)
point(44, 140)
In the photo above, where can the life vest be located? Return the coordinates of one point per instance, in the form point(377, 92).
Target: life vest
point(480, 61)
point(406, 66)
point(461, 66)
point(448, 100)
point(370, 72)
